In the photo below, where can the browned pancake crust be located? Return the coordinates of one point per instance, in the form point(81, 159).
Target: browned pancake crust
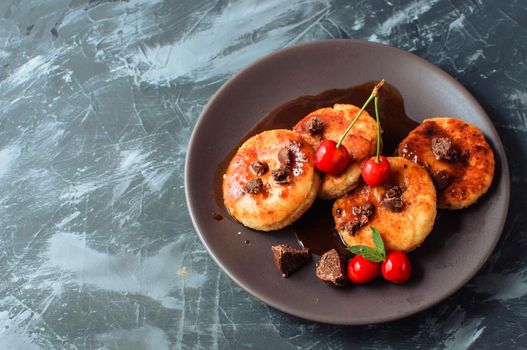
point(276, 205)
point(360, 142)
point(404, 230)
point(470, 177)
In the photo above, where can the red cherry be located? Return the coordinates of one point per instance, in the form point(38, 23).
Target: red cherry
point(329, 159)
point(396, 268)
point(375, 174)
point(361, 270)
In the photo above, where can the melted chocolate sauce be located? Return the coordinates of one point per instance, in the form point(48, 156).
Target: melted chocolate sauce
point(316, 229)
point(453, 170)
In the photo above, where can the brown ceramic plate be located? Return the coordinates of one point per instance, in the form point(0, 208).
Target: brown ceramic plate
point(453, 253)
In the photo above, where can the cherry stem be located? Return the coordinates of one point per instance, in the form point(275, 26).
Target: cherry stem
point(373, 94)
point(376, 103)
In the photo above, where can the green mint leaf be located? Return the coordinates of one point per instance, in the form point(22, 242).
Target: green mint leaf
point(374, 258)
point(379, 244)
point(377, 254)
point(367, 253)
point(362, 249)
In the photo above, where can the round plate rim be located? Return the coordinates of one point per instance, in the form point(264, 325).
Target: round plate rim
point(269, 301)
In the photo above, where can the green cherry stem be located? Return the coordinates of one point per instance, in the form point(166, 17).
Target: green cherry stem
point(373, 95)
point(376, 102)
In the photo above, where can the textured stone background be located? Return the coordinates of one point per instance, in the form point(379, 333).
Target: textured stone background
point(97, 103)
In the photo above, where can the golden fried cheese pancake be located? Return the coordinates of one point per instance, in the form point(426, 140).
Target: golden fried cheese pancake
point(271, 180)
point(403, 209)
point(361, 142)
point(456, 155)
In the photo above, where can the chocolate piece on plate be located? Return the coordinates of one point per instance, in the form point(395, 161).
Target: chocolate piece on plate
point(332, 269)
point(289, 259)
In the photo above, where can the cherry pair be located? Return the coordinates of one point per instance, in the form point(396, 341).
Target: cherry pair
point(332, 157)
point(395, 268)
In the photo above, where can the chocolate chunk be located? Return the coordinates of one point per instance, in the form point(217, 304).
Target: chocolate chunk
point(259, 168)
point(430, 129)
point(338, 211)
point(363, 220)
point(282, 175)
point(363, 210)
point(332, 269)
point(289, 259)
point(393, 204)
point(315, 126)
point(392, 199)
point(285, 156)
point(463, 157)
point(253, 186)
point(443, 149)
point(363, 213)
point(353, 226)
point(393, 192)
point(441, 179)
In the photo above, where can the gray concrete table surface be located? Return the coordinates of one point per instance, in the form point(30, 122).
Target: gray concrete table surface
point(97, 103)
